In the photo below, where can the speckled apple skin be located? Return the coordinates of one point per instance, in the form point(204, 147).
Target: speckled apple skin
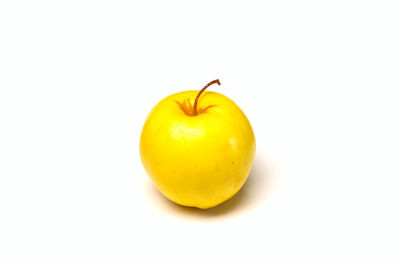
point(199, 161)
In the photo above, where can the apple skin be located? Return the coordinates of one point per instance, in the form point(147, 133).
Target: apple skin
point(199, 161)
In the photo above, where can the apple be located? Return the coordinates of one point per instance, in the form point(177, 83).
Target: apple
point(197, 147)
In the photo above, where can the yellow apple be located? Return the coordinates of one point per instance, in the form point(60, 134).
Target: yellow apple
point(197, 147)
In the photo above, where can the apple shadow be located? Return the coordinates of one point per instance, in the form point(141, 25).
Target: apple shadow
point(258, 186)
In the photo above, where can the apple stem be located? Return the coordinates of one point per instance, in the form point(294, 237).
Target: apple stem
point(200, 92)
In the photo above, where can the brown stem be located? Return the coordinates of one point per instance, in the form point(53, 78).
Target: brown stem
point(201, 91)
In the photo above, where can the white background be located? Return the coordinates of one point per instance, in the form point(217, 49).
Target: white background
point(318, 80)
